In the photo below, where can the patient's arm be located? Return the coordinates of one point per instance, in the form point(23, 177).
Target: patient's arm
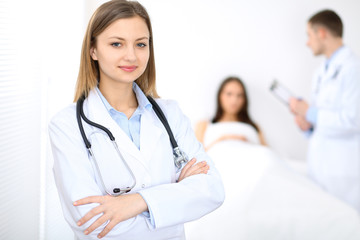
point(226, 137)
point(262, 138)
point(200, 130)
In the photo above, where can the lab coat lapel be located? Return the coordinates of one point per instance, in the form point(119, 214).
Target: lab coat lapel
point(335, 66)
point(98, 114)
point(150, 132)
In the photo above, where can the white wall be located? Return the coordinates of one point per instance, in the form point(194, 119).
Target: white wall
point(20, 123)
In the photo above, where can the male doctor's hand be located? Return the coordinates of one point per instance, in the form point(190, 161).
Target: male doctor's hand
point(298, 107)
point(114, 209)
point(302, 123)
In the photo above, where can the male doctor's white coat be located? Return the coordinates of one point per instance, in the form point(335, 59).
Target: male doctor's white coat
point(334, 148)
point(170, 204)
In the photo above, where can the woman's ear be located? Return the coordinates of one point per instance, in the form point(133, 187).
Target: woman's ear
point(93, 53)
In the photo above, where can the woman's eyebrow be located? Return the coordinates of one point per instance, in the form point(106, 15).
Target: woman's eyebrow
point(123, 39)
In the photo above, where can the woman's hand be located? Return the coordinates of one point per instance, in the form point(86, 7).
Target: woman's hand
point(226, 137)
point(115, 209)
point(191, 169)
point(233, 137)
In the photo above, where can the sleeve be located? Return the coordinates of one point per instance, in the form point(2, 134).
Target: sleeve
point(74, 175)
point(345, 119)
point(311, 115)
point(194, 196)
point(309, 132)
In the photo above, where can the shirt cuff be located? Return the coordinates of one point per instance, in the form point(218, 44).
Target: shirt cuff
point(309, 132)
point(148, 214)
point(311, 115)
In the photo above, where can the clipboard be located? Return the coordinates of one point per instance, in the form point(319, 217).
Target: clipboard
point(281, 92)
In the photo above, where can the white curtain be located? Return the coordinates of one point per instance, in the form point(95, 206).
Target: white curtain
point(40, 44)
point(20, 124)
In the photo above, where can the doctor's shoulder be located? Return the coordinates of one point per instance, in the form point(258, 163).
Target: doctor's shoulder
point(64, 120)
point(170, 108)
point(173, 113)
point(351, 67)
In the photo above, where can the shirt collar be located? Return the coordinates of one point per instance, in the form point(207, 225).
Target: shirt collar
point(140, 96)
point(143, 101)
point(333, 56)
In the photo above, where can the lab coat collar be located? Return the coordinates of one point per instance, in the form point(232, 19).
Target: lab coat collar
point(333, 56)
point(143, 102)
point(150, 131)
point(336, 62)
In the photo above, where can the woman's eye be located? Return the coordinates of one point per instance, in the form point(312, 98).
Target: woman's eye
point(117, 44)
point(141, 45)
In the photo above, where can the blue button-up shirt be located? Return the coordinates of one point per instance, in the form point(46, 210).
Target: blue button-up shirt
point(130, 126)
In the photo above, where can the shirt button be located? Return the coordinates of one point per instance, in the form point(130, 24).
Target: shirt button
point(143, 185)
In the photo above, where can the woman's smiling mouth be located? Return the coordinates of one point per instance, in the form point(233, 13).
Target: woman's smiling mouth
point(128, 68)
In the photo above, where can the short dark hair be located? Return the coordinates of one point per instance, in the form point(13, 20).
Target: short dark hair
point(330, 20)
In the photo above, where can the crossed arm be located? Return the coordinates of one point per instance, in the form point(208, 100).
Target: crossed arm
point(121, 208)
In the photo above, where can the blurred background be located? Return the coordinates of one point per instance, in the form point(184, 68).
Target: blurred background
point(197, 44)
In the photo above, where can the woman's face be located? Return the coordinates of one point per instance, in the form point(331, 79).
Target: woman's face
point(122, 50)
point(232, 97)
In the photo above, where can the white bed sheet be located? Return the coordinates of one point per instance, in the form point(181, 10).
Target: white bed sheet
point(266, 200)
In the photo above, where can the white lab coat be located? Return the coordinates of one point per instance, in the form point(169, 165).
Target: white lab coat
point(334, 148)
point(171, 204)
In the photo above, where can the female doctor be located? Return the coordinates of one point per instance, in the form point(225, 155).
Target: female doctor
point(117, 73)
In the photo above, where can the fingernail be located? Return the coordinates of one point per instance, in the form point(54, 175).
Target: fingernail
point(99, 236)
point(86, 232)
point(78, 223)
point(74, 203)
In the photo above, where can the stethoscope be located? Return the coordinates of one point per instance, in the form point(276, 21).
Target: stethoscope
point(180, 158)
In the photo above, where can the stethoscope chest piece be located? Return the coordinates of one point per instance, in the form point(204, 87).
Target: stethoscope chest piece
point(180, 158)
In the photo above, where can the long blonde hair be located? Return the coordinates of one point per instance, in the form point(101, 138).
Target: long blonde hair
point(106, 14)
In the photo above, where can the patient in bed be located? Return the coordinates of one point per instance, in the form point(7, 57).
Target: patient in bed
point(265, 199)
point(232, 120)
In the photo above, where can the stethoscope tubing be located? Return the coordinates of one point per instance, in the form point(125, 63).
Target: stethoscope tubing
point(179, 157)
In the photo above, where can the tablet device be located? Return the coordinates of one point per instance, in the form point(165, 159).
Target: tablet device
point(281, 92)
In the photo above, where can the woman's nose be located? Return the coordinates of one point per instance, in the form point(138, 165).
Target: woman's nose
point(130, 55)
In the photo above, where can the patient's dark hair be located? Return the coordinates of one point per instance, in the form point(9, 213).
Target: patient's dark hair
point(242, 115)
point(330, 20)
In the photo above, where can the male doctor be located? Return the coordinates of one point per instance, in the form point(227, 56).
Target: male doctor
point(332, 118)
